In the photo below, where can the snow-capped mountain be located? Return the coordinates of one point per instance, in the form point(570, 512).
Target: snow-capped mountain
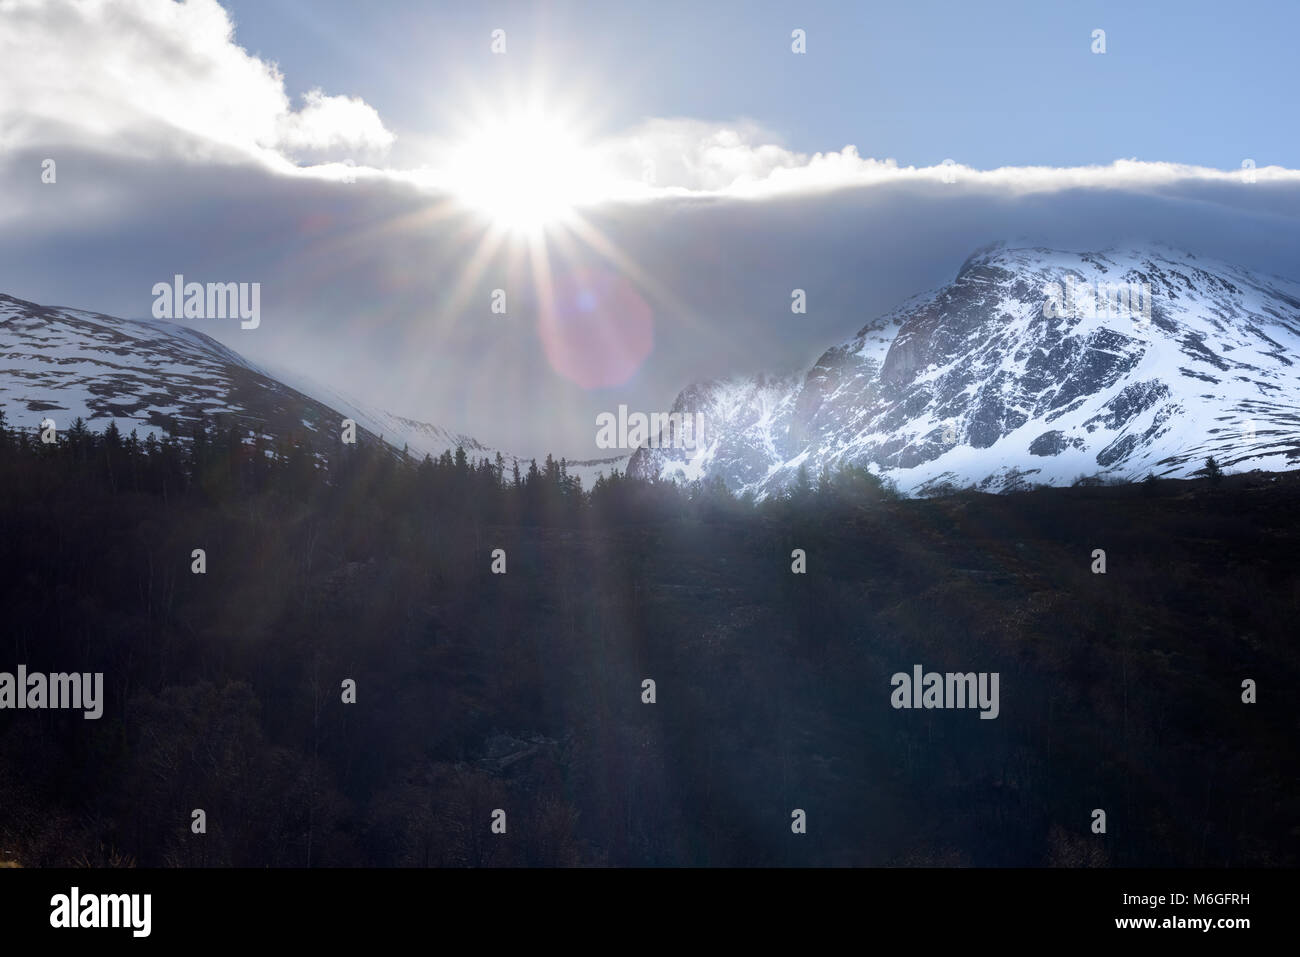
point(1032, 365)
point(65, 364)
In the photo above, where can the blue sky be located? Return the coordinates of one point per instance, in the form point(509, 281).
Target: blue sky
point(1012, 83)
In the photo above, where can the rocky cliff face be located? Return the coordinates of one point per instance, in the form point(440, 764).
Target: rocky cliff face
point(1031, 365)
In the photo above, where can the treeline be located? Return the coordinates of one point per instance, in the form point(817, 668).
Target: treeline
point(499, 631)
point(216, 462)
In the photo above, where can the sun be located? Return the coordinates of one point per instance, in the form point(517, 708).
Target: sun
point(539, 184)
point(526, 171)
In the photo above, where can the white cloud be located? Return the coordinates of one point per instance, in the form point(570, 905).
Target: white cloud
point(156, 78)
point(695, 155)
point(685, 156)
point(330, 122)
point(134, 73)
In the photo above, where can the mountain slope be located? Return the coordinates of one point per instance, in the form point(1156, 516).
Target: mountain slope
point(422, 438)
point(419, 438)
point(65, 364)
point(985, 382)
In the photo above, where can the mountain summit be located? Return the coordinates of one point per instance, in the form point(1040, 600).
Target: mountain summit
point(1032, 365)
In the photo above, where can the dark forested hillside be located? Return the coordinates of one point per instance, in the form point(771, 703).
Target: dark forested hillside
point(523, 691)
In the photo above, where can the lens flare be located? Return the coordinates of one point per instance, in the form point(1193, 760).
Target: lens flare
point(596, 328)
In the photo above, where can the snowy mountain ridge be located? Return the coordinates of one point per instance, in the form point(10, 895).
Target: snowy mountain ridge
point(986, 382)
point(148, 375)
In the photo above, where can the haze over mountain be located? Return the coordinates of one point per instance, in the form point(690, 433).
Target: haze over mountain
point(149, 375)
point(981, 382)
